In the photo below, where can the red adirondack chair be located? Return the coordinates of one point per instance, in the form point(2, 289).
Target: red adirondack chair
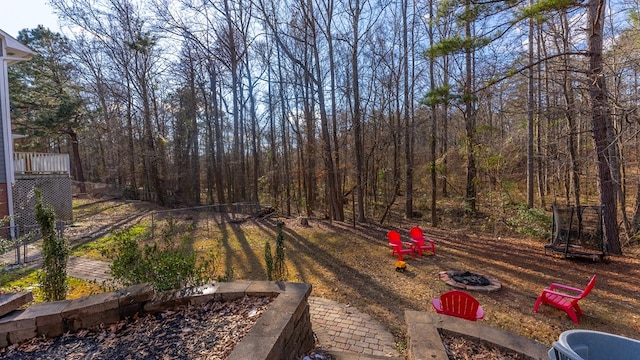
point(566, 299)
point(459, 304)
point(420, 243)
point(398, 246)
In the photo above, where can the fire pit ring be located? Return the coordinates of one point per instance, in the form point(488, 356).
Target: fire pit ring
point(466, 280)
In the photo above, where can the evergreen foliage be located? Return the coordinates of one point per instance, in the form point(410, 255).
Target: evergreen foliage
point(541, 7)
point(55, 253)
point(439, 95)
point(46, 101)
point(280, 272)
point(268, 259)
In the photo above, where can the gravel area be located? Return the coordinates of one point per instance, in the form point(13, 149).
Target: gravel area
point(208, 331)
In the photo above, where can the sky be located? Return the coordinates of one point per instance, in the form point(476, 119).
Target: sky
point(16, 15)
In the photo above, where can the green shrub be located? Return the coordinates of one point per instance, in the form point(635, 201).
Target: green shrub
point(55, 253)
point(534, 222)
point(167, 266)
point(280, 272)
point(268, 259)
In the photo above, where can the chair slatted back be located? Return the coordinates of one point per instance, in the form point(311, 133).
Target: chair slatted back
point(394, 237)
point(589, 287)
point(460, 304)
point(417, 234)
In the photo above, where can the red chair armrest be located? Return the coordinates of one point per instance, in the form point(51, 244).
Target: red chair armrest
point(561, 294)
point(407, 244)
point(565, 287)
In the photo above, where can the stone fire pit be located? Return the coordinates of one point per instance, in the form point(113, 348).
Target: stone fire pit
point(466, 280)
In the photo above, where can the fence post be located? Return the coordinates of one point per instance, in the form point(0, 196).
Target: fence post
point(18, 244)
point(23, 242)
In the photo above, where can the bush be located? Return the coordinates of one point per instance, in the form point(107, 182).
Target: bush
point(170, 266)
point(268, 259)
point(534, 222)
point(55, 254)
point(280, 272)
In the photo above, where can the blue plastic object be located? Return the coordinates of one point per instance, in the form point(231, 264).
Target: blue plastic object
point(561, 352)
point(594, 345)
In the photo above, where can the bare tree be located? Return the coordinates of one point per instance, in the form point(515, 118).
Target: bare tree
point(601, 122)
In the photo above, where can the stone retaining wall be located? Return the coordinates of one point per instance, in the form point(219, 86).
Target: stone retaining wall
point(425, 342)
point(282, 332)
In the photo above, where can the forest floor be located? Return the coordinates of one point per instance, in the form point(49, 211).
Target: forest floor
point(353, 265)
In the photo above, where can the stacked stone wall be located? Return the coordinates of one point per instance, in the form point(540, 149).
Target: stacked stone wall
point(282, 332)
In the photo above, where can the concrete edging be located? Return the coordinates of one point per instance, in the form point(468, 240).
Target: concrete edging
point(282, 332)
point(425, 342)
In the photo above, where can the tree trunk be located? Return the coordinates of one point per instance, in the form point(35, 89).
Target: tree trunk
point(273, 155)
point(254, 131)
point(539, 149)
point(408, 125)
point(334, 115)
point(210, 158)
point(285, 135)
point(237, 171)
point(445, 126)
point(600, 119)
point(469, 120)
point(150, 150)
point(217, 130)
point(357, 116)
point(570, 114)
point(309, 168)
point(130, 140)
point(75, 155)
point(434, 128)
point(194, 158)
point(530, 137)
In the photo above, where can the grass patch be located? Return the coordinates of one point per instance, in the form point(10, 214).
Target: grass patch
point(98, 248)
point(23, 280)
point(85, 209)
point(15, 277)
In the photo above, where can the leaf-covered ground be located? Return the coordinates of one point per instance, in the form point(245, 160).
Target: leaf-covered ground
point(353, 265)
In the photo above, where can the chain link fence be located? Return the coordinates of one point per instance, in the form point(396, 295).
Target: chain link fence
point(55, 190)
point(16, 243)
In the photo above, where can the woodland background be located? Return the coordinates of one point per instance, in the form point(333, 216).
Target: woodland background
point(327, 107)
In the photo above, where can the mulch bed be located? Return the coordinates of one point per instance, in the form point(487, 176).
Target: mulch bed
point(207, 331)
point(459, 347)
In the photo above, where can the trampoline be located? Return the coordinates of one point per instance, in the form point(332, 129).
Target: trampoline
point(576, 231)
